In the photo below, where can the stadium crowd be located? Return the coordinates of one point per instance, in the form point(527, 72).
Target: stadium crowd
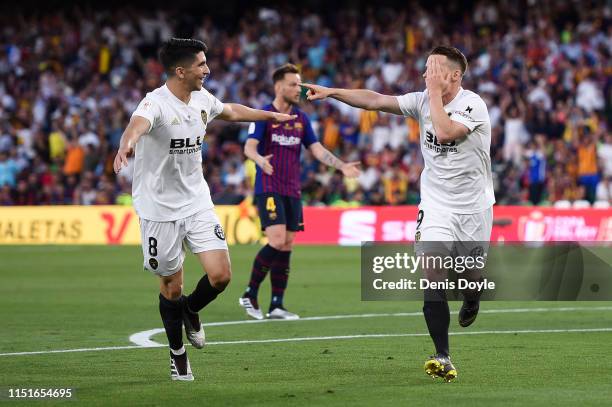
point(69, 81)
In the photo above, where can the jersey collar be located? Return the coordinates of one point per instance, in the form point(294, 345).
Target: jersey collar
point(459, 92)
point(293, 109)
point(174, 98)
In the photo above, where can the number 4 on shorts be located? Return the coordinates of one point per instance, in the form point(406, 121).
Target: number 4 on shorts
point(270, 205)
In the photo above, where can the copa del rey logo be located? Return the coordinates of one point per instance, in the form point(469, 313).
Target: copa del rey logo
point(537, 227)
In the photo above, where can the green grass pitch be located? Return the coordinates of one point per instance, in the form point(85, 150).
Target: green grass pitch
point(74, 297)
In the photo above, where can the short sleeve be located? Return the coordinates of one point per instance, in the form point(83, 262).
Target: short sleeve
point(471, 112)
point(257, 130)
point(309, 135)
point(409, 104)
point(216, 107)
point(150, 110)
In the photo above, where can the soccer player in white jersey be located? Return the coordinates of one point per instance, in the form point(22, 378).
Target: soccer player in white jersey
point(170, 194)
point(456, 184)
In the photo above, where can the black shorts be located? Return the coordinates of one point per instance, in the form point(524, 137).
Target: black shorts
point(276, 209)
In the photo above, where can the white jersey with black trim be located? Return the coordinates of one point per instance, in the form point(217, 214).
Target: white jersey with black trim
point(457, 175)
point(168, 181)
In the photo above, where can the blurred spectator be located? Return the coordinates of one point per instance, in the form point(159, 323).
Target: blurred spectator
point(79, 72)
point(604, 155)
point(8, 170)
point(537, 170)
point(75, 157)
point(588, 176)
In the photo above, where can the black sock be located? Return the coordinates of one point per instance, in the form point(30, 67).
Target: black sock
point(172, 317)
point(471, 298)
point(261, 266)
point(203, 294)
point(279, 276)
point(437, 316)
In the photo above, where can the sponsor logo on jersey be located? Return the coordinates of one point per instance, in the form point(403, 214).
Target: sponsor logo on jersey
point(185, 145)
point(285, 141)
point(219, 232)
point(432, 143)
point(464, 114)
point(175, 122)
point(204, 116)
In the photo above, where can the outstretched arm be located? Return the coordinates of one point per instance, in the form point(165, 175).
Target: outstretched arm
point(235, 112)
point(322, 154)
point(363, 98)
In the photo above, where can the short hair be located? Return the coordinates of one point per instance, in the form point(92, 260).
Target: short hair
point(452, 54)
point(178, 51)
point(279, 73)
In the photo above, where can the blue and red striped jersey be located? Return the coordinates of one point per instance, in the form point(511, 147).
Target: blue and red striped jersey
point(284, 141)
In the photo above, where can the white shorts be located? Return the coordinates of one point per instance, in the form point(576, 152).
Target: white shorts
point(472, 231)
point(163, 242)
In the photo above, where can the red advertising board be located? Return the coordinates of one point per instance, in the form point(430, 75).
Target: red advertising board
point(398, 223)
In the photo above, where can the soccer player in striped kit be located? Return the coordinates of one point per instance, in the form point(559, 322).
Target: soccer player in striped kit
point(276, 149)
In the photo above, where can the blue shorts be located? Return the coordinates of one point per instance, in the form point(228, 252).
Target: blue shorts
point(276, 209)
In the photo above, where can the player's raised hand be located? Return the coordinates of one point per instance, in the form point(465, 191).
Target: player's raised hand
point(316, 92)
point(351, 170)
point(282, 117)
point(121, 158)
point(437, 79)
point(264, 164)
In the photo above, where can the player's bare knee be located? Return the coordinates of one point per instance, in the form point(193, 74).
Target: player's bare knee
point(171, 287)
point(288, 246)
point(172, 290)
point(277, 242)
point(221, 278)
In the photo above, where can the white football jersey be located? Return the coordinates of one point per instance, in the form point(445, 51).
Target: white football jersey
point(457, 175)
point(168, 180)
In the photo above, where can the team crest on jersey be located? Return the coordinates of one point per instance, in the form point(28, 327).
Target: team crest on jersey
point(153, 263)
point(417, 236)
point(219, 232)
point(298, 125)
point(204, 116)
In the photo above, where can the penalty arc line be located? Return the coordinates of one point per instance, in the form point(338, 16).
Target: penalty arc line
point(145, 342)
point(144, 338)
point(322, 338)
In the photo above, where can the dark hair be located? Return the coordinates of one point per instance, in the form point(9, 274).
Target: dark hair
point(452, 54)
point(178, 51)
point(279, 73)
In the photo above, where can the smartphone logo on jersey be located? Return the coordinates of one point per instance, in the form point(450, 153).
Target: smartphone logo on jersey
point(184, 142)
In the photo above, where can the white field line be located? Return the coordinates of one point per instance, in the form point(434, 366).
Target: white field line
point(144, 338)
point(322, 338)
point(151, 344)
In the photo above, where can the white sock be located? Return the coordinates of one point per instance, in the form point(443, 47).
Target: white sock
point(178, 351)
